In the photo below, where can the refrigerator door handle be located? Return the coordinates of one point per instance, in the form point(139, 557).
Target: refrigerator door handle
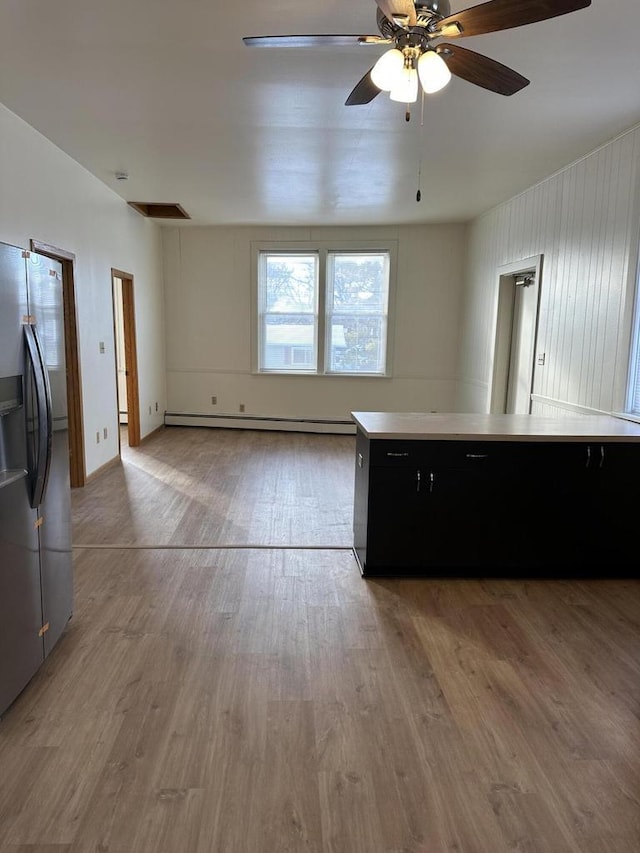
point(45, 421)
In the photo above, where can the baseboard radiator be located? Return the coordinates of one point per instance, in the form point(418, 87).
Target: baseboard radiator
point(259, 422)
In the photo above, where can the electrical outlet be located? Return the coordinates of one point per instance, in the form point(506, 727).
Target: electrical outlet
point(98, 437)
point(104, 433)
point(101, 347)
point(214, 401)
point(242, 407)
point(156, 405)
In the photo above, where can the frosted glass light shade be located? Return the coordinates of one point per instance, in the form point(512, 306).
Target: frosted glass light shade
point(406, 89)
point(433, 72)
point(387, 70)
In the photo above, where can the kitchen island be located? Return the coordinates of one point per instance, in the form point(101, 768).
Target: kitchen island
point(503, 495)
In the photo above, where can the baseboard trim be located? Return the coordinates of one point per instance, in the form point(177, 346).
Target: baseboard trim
point(261, 423)
point(115, 460)
point(151, 434)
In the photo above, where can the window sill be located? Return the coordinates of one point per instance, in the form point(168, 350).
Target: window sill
point(309, 375)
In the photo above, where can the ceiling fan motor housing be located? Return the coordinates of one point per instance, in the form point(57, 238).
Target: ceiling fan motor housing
point(442, 8)
point(428, 12)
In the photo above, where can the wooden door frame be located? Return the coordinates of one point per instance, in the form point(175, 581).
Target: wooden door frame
point(77, 468)
point(130, 353)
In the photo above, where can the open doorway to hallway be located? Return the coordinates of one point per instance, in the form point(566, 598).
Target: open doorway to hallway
point(517, 308)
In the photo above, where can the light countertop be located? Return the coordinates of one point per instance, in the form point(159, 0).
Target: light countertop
point(481, 427)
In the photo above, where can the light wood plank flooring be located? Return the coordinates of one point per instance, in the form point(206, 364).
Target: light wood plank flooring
point(270, 700)
point(191, 486)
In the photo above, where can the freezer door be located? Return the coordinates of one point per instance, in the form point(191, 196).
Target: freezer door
point(46, 307)
point(21, 642)
point(13, 308)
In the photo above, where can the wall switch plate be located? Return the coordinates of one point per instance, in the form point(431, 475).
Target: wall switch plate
point(214, 401)
point(242, 407)
point(101, 346)
point(541, 357)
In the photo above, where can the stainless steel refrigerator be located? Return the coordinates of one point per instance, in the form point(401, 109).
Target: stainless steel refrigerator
point(36, 575)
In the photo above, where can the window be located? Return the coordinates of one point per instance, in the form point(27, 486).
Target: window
point(632, 406)
point(323, 311)
point(288, 311)
point(633, 396)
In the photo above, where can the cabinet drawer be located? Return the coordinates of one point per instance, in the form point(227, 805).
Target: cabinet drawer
point(489, 455)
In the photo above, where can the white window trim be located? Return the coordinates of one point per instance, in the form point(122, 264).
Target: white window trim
point(322, 249)
point(633, 367)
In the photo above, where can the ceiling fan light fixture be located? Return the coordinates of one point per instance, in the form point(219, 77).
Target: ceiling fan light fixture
point(406, 89)
point(388, 69)
point(433, 72)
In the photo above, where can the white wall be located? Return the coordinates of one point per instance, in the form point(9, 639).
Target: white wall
point(208, 306)
point(584, 220)
point(47, 196)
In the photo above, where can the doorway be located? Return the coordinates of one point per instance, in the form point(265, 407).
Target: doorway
point(125, 348)
point(517, 308)
point(77, 470)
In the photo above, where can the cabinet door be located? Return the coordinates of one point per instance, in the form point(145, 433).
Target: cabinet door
point(475, 519)
point(432, 518)
point(561, 503)
point(587, 497)
point(616, 473)
point(398, 513)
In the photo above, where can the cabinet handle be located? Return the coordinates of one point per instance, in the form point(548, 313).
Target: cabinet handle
point(391, 453)
point(586, 464)
point(430, 482)
point(418, 480)
point(477, 455)
point(601, 455)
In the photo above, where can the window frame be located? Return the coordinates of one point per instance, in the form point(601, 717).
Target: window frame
point(633, 366)
point(259, 311)
point(321, 248)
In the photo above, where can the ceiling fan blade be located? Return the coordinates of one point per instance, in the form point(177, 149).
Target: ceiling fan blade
point(505, 14)
point(312, 40)
point(363, 92)
point(479, 69)
point(399, 10)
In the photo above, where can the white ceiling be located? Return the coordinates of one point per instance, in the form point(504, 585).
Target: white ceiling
point(167, 92)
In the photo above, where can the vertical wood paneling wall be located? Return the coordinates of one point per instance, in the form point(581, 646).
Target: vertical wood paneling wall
point(584, 220)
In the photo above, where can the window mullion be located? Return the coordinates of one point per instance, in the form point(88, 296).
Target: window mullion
point(321, 325)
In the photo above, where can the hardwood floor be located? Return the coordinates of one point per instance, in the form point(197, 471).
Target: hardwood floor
point(270, 700)
point(190, 486)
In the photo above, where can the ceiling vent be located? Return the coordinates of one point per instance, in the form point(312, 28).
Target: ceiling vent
point(156, 210)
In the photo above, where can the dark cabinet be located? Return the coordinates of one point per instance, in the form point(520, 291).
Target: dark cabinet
point(426, 506)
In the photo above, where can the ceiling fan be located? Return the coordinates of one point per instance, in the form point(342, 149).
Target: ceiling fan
point(413, 29)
